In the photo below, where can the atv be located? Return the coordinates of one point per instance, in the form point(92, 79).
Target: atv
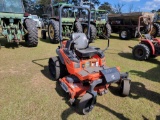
point(148, 46)
point(81, 70)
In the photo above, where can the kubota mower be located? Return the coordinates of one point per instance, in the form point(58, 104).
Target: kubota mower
point(148, 46)
point(81, 71)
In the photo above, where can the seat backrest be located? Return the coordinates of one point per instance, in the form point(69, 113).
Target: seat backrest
point(80, 40)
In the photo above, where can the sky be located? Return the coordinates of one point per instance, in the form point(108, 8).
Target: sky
point(138, 5)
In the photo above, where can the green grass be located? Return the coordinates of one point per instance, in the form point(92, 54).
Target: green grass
point(27, 91)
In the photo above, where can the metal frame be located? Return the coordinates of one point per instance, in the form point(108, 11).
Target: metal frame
point(60, 20)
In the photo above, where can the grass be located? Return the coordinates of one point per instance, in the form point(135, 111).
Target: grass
point(28, 92)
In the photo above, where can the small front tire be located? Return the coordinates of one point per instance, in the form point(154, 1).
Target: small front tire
point(86, 104)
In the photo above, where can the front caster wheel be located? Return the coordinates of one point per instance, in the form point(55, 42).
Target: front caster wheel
point(125, 87)
point(86, 104)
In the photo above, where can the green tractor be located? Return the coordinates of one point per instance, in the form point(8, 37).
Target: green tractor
point(14, 26)
point(69, 23)
point(99, 22)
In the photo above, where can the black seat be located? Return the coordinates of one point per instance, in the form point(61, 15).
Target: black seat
point(81, 45)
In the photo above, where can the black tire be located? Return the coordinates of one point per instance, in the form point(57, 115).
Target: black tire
point(85, 105)
point(93, 32)
point(56, 68)
point(31, 38)
point(78, 27)
point(125, 88)
point(53, 31)
point(156, 30)
point(106, 32)
point(43, 34)
point(141, 52)
point(125, 34)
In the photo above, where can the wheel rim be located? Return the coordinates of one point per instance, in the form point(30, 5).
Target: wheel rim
point(139, 53)
point(153, 32)
point(51, 31)
point(52, 69)
point(124, 34)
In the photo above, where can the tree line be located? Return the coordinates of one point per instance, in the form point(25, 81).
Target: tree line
point(39, 6)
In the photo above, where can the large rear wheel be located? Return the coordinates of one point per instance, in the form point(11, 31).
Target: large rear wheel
point(106, 31)
point(155, 30)
point(93, 32)
point(78, 27)
point(53, 31)
point(56, 68)
point(141, 52)
point(31, 38)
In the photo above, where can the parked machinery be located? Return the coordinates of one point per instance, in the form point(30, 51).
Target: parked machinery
point(149, 47)
point(126, 24)
point(14, 26)
point(69, 23)
point(99, 22)
point(81, 71)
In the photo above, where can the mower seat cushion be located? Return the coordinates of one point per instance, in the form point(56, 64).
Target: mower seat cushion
point(80, 40)
point(88, 52)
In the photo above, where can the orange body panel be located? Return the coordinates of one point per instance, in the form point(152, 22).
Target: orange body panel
point(78, 89)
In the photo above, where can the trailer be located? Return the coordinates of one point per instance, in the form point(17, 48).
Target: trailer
point(126, 24)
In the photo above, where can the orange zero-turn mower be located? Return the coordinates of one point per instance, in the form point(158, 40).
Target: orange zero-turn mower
point(81, 69)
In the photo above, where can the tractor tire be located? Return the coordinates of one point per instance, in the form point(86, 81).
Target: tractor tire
point(106, 32)
point(78, 27)
point(31, 38)
point(125, 34)
point(93, 32)
point(56, 68)
point(141, 52)
point(156, 30)
point(85, 105)
point(43, 34)
point(53, 31)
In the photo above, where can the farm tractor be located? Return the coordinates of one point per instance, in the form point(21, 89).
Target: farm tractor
point(157, 21)
point(13, 27)
point(99, 23)
point(81, 71)
point(149, 46)
point(69, 23)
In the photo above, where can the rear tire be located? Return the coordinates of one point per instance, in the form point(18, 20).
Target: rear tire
point(31, 38)
point(125, 34)
point(53, 31)
point(78, 27)
point(141, 52)
point(56, 68)
point(106, 32)
point(156, 30)
point(85, 105)
point(93, 32)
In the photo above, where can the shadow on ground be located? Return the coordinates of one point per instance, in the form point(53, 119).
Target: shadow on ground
point(72, 109)
point(45, 40)
point(138, 90)
point(13, 45)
